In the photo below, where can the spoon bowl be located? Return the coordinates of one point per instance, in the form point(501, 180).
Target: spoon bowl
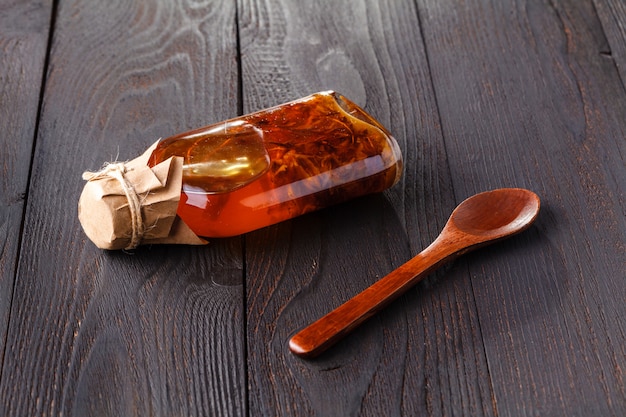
point(480, 220)
point(496, 213)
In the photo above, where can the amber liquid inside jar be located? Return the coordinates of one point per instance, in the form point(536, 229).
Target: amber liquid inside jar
point(276, 164)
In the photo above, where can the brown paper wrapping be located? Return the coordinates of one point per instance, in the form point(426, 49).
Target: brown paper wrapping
point(107, 214)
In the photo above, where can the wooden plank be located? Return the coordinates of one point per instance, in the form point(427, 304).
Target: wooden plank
point(424, 354)
point(527, 100)
point(24, 27)
point(612, 14)
point(157, 332)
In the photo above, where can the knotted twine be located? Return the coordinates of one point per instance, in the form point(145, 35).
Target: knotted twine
point(117, 170)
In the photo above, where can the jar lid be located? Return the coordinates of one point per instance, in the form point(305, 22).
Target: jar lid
point(127, 204)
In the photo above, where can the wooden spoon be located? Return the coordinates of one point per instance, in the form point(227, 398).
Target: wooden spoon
point(478, 221)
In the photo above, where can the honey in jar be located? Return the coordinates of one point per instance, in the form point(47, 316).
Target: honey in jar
point(259, 169)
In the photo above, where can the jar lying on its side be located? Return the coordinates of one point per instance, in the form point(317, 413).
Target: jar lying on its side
point(240, 175)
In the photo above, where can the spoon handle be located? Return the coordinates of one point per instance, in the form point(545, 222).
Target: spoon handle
point(326, 331)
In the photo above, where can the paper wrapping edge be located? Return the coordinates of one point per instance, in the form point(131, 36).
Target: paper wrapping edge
point(105, 215)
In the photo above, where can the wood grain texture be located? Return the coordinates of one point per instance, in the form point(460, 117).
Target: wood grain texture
point(157, 332)
point(526, 99)
point(480, 94)
point(23, 41)
point(612, 14)
point(405, 361)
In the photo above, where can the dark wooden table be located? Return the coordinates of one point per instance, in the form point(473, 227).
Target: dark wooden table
point(480, 94)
